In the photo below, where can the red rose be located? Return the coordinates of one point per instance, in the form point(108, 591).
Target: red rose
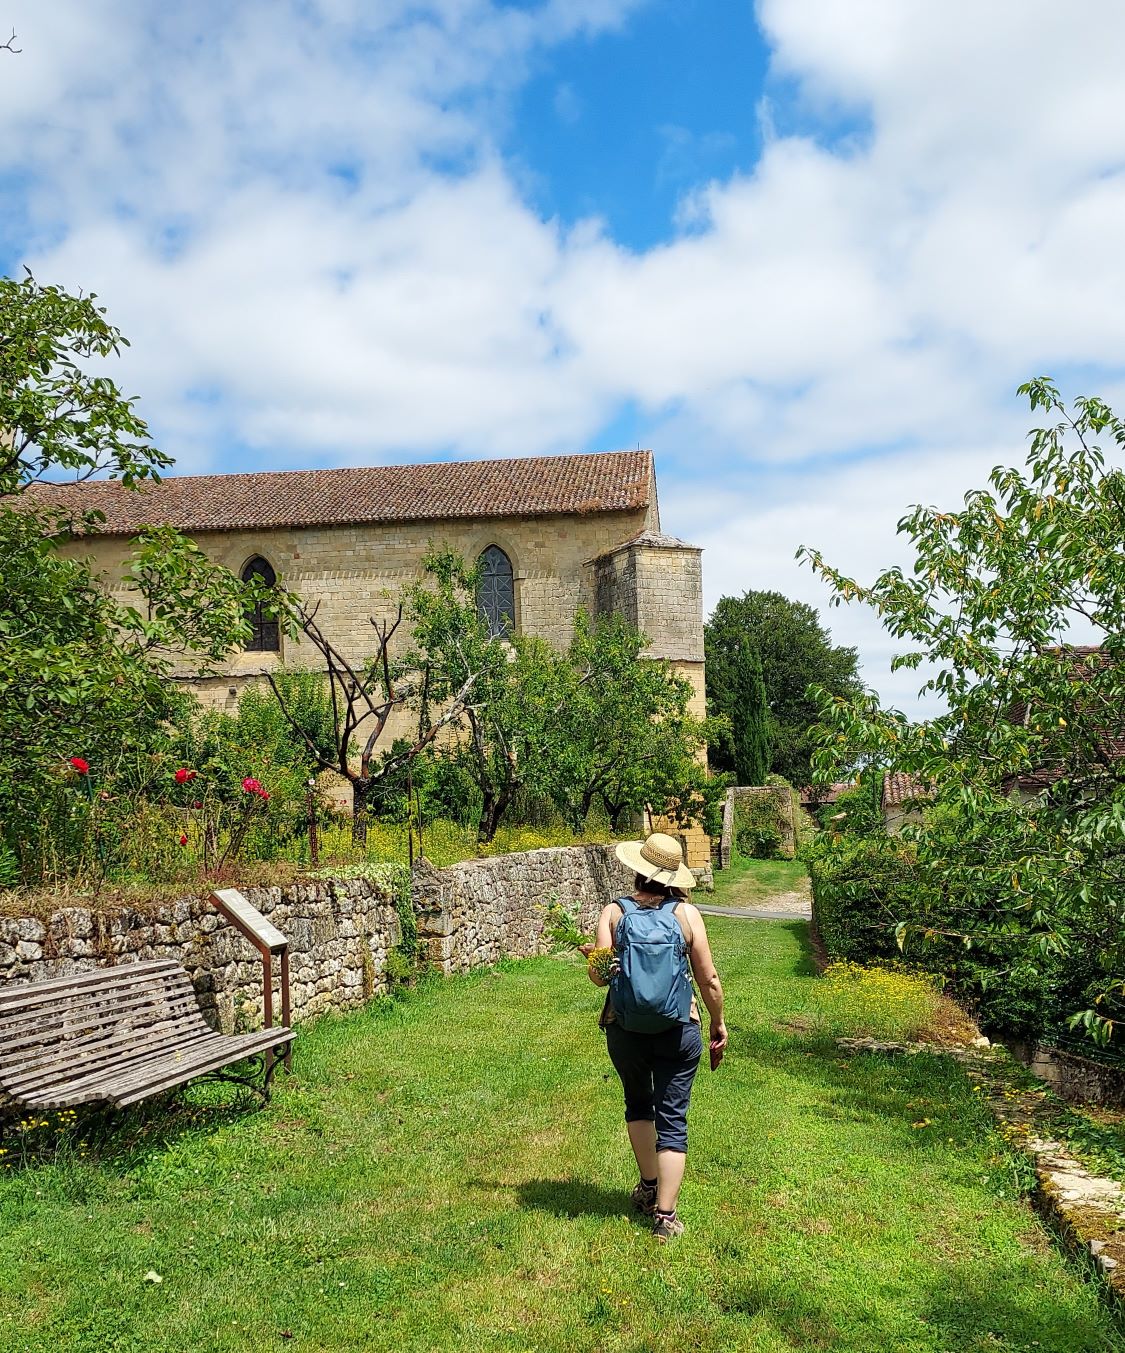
point(183, 840)
point(183, 775)
point(251, 786)
point(82, 767)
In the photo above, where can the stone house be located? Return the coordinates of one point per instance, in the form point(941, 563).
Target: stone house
point(903, 798)
point(553, 532)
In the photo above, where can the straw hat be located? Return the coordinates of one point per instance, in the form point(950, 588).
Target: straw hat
point(659, 859)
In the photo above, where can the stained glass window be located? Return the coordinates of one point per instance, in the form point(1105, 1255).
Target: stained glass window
point(266, 637)
point(496, 595)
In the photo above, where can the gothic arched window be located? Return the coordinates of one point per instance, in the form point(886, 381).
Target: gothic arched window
point(266, 636)
point(496, 594)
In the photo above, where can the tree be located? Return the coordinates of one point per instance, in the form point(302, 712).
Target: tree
point(795, 650)
point(519, 686)
point(81, 674)
point(597, 724)
point(624, 736)
point(752, 734)
point(58, 410)
point(997, 588)
point(363, 697)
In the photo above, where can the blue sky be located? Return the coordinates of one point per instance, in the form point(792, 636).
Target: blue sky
point(804, 250)
point(680, 87)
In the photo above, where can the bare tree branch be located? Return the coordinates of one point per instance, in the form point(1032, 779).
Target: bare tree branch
point(8, 47)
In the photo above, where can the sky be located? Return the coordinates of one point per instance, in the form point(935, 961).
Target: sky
point(804, 250)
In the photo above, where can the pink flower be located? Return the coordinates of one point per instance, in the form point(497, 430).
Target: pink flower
point(252, 786)
point(197, 803)
point(183, 840)
point(263, 795)
point(183, 775)
point(82, 767)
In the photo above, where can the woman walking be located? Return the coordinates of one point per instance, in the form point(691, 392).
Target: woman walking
point(651, 1018)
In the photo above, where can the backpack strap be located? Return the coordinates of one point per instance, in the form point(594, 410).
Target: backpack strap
point(627, 904)
point(675, 901)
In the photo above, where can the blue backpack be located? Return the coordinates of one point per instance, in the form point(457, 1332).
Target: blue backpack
point(651, 991)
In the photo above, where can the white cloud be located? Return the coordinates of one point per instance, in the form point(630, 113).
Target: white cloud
point(300, 215)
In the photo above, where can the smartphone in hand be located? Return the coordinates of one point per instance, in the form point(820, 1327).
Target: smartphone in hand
point(716, 1055)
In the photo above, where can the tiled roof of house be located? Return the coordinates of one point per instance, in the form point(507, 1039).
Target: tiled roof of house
point(604, 481)
point(899, 788)
point(1084, 661)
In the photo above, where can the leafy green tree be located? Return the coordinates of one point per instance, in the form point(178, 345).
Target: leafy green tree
point(795, 650)
point(1032, 882)
point(58, 410)
point(625, 737)
point(518, 687)
point(82, 674)
point(598, 724)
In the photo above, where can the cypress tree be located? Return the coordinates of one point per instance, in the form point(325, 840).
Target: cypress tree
point(750, 733)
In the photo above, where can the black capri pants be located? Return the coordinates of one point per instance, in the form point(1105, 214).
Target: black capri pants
point(657, 1071)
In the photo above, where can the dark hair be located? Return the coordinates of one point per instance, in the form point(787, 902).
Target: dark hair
point(643, 885)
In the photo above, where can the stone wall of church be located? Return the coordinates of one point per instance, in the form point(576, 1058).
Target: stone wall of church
point(359, 572)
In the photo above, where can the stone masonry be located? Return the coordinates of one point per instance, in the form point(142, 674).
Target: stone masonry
point(340, 932)
point(339, 936)
point(365, 571)
point(483, 910)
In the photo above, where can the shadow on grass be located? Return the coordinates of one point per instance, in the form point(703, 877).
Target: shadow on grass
point(122, 1138)
point(567, 1197)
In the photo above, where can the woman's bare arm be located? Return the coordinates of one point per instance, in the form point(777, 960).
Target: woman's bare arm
point(603, 938)
point(703, 969)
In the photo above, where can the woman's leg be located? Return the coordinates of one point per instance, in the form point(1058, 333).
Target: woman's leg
point(642, 1138)
point(669, 1176)
point(673, 1074)
point(628, 1053)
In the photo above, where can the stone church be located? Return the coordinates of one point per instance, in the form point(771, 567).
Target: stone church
point(553, 533)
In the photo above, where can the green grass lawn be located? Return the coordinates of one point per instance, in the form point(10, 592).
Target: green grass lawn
point(450, 1173)
point(752, 883)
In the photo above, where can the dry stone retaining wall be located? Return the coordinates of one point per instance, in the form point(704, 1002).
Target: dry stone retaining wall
point(482, 910)
point(340, 932)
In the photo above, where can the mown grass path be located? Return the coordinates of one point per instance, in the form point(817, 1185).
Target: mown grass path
point(761, 883)
point(451, 1173)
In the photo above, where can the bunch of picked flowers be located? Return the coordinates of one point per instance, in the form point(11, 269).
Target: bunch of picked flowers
point(602, 963)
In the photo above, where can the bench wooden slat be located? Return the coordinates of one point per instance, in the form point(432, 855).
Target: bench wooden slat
point(118, 1034)
point(161, 1072)
point(119, 1069)
point(64, 1069)
point(255, 1043)
point(73, 1027)
point(35, 993)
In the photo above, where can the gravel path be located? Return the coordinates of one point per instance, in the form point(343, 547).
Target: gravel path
point(793, 906)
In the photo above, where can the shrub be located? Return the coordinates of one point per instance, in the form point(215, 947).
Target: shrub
point(862, 888)
point(759, 824)
point(762, 842)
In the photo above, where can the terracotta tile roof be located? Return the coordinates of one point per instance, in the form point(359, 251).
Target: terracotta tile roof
point(899, 788)
point(603, 481)
point(652, 540)
point(1084, 661)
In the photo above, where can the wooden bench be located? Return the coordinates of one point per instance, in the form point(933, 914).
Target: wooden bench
point(118, 1035)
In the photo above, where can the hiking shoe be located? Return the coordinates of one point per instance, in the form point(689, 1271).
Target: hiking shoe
point(667, 1226)
point(644, 1198)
